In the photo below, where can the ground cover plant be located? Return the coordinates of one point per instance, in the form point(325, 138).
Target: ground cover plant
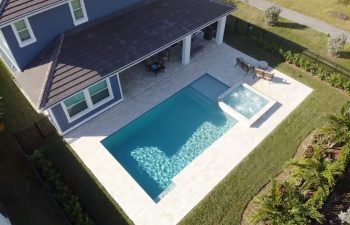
point(299, 198)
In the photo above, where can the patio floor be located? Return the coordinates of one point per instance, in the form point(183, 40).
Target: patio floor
point(208, 169)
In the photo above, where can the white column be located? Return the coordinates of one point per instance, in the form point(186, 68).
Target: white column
point(186, 50)
point(220, 31)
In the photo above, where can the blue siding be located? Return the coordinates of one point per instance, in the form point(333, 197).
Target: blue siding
point(97, 9)
point(49, 24)
point(62, 119)
point(46, 27)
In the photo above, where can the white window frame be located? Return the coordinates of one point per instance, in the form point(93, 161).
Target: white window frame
point(30, 30)
point(88, 100)
point(82, 20)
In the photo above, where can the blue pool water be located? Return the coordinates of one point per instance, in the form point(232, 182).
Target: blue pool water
point(155, 147)
point(245, 101)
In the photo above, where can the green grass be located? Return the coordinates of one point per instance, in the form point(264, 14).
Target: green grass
point(226, 202)
point(304, 36)
point(94, 198)
point(23, 196)
point(28, 202)
point(320, 9)
point(25, 199)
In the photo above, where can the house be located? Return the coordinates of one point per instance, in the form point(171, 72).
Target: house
point(66, 55)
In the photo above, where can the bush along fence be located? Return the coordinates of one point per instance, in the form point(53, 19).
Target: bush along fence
point(337, 75)
point(299, 198)
point(32, 138)
point(335, 79)
point(65, 197)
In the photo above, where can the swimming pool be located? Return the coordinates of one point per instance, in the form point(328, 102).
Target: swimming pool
point(245, 103)
point(157, 146)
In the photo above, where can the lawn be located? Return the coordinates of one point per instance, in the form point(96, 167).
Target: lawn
point(329, 11)
point(28, 201)
point(23, 196)
point(25, 199)
point(226, 203)
point(297, 33)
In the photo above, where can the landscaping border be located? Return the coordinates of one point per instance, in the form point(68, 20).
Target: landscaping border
point(273, 43)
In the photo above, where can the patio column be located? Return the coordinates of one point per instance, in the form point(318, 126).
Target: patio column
point(186, 50)
point(220, 31)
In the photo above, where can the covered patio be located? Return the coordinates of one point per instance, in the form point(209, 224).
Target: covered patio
point(138, 78)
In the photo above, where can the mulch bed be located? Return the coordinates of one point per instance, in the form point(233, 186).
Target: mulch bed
point(338, 201)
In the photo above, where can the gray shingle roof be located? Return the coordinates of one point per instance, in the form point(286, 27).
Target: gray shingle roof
point(87, 55)
point(12, 9)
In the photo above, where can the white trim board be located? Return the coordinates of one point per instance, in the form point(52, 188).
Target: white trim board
point(30, 30)
point(87, 111)
point(82, 20)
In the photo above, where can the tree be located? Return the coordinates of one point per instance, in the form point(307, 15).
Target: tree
point(271, 15)
point(336, 44)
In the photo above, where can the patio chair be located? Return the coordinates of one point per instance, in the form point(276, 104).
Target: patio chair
point(245, 65)
point(165, 55)
point(264, 74)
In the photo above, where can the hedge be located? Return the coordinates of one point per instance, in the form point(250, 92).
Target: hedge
point(64, 195)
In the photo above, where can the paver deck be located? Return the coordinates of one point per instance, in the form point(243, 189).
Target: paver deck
point(207, 170)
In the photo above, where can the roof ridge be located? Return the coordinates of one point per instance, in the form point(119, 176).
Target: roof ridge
point(50, 70)
point(3, 3)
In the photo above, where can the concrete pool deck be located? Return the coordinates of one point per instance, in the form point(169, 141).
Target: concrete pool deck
point(195, 181)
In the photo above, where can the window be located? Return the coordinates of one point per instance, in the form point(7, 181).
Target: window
point(99, 92)
point(78, 11)
point(87, 100)
point(23, 32)
point(75, 104)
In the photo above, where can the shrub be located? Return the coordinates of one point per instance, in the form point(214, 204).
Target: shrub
point(64, 195)
point(271, 15)
point(335, 44)
point(345, 217)
point(335, 79)
point(298, 199)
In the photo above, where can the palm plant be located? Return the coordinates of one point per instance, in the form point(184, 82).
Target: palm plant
point(284, 205)
point(338, 127)
point(315, 171)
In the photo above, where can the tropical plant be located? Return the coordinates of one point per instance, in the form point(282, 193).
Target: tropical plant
point(284, 205)
point(335, 44)
point(271, 15)
point(338, 126)
point(315, 172)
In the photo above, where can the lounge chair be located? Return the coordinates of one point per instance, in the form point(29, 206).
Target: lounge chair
point(263, 74)
point(245, 65)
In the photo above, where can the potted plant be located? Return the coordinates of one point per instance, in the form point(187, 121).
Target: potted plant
point(2, 113)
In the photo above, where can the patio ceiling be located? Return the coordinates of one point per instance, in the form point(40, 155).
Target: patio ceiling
point(90, 53)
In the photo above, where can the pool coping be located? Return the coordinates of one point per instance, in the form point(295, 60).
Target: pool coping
point(237, 115)
point(196, 180)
